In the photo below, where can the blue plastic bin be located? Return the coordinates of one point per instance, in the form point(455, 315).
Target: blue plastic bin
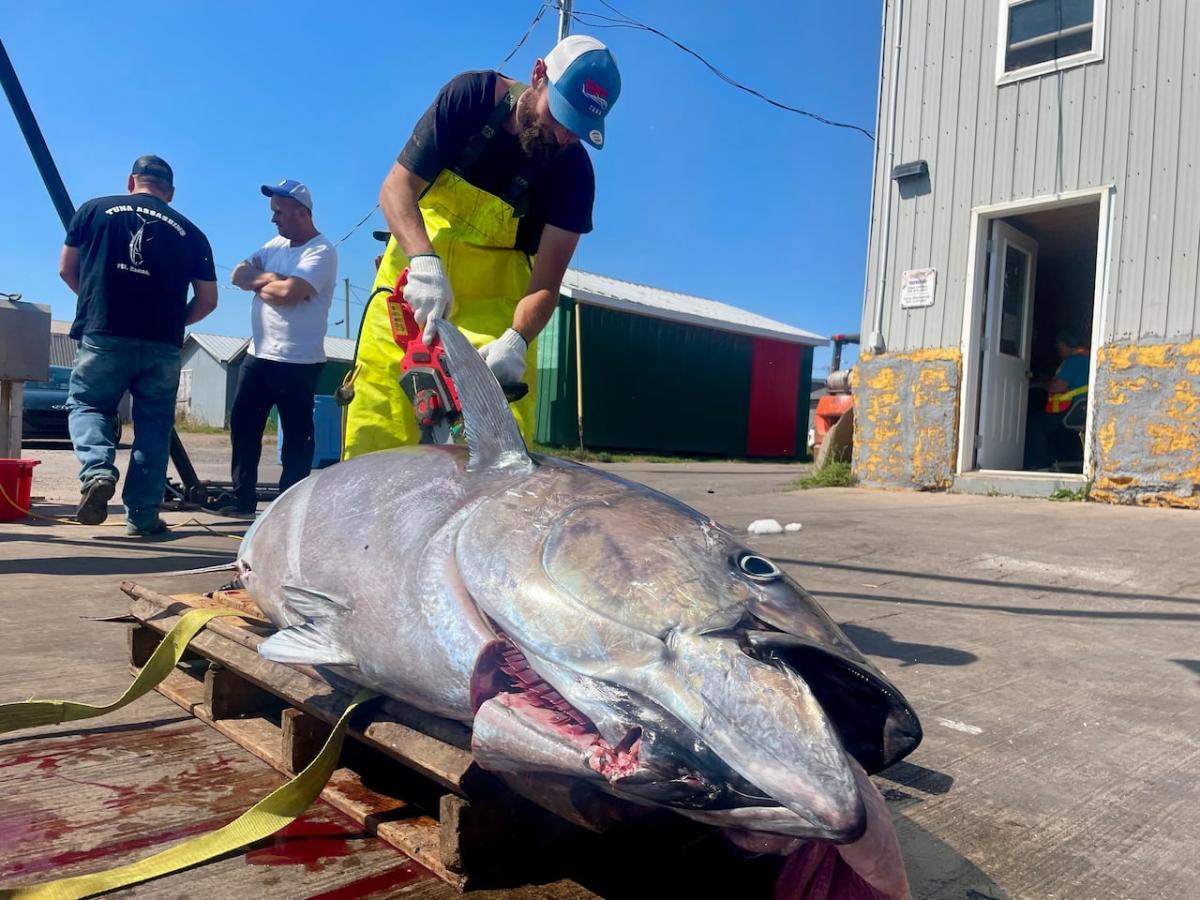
point(327, 433)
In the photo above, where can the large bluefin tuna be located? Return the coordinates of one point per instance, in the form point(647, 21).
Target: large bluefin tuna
point(587, 627)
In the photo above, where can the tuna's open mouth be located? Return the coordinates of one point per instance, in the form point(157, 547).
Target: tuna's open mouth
point(524, 726)
point(503, 670)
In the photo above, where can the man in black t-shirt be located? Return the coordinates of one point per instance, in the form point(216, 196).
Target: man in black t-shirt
point(485, 204)
point(130, 259)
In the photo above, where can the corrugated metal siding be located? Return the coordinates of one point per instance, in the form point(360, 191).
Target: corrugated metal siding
point(208, 400)
point(556, 398)
point(1129, 120)
point(649, 384)
point(62, 349)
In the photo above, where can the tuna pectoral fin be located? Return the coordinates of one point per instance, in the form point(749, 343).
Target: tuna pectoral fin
point(312, 604)
point(315, 642)
point(311, 644)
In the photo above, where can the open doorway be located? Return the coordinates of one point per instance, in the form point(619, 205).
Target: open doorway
point(1028, 356)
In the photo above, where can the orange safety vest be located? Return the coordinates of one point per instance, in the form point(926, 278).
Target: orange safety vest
point(1060, 403)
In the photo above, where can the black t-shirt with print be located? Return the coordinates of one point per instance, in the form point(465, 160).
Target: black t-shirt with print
point(137, 257)
point(560, 195)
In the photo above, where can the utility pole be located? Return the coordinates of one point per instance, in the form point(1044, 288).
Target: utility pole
point(564, 18)
point(346, 322)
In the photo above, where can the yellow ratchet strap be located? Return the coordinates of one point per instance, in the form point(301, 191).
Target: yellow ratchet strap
point(279, 808)
point(35, 713)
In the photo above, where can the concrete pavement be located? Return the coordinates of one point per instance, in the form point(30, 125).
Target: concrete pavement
point(1050, 649)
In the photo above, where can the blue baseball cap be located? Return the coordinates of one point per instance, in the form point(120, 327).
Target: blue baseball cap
point(289, 187)
point(584, 84)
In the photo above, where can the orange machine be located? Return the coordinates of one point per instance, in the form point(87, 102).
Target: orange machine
point(837, 400)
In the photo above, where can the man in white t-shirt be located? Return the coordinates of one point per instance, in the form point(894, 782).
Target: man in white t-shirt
point(292, 277)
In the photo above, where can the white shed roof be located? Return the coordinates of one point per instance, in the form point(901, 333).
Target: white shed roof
point(220, 347)
point(640, 299)
point(339, 349)
point(225, 349)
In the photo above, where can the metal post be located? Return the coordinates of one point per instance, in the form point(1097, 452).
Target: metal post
point(578, 374)
point(564, 18)
point(66, 211)
point(347, 317)
point(33, 137)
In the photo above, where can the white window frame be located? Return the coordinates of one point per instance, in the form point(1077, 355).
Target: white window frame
point(1096, 54)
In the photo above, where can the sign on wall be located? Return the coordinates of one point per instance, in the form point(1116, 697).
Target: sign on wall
point(917, 287)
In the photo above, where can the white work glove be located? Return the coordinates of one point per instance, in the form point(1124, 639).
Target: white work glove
point(428, 291)
point(505, 356)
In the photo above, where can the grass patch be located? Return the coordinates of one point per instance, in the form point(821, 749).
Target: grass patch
point(1066, 495)
point(832, 474)
point(187, 425)
point(608, 456)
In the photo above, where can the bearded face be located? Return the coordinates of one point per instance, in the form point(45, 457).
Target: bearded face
point(536, 137)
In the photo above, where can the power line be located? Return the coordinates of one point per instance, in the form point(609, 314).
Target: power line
point(596, 20)
point(528, 31)
point(358, 226)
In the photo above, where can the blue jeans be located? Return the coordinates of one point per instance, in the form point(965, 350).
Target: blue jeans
point(105, 368)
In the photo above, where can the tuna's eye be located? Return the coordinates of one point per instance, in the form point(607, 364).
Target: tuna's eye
point(758, 568)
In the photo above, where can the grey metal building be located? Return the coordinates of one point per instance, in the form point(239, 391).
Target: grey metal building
point(1037, 170)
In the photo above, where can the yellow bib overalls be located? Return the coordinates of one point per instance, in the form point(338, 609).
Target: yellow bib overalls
point(475, 234)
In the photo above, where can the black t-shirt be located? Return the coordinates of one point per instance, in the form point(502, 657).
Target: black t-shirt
point(137, 257)
point(562, 192)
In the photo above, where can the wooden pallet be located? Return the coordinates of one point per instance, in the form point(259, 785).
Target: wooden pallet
point(438, 807)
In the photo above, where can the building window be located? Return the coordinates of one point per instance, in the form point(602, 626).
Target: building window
point(1040, 36)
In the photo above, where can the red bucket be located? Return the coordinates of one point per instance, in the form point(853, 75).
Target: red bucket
point(16, 479)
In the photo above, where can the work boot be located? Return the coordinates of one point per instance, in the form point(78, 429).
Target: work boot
point(157, 526)
point(93, 504)
point(237, 511)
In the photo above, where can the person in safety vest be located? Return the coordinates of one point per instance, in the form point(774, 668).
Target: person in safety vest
point(485, 205)
point(1070, 381)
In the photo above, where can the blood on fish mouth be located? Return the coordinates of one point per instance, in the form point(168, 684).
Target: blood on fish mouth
point(503, 669)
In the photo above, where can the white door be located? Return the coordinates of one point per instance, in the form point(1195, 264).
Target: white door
point(1007, 330)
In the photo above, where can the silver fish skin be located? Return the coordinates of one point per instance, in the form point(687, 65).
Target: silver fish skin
point(589, 628)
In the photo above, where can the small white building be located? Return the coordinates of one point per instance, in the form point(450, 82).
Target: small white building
point(209, 373)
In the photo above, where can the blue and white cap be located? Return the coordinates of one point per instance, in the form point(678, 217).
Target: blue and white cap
point(584, 86)
point(289, 187)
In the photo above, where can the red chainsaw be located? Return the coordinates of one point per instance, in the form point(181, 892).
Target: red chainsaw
point(425, 372)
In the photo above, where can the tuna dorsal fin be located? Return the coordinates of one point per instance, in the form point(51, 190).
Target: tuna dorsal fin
point(493, 439)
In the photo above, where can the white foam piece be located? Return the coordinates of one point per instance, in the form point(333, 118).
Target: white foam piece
point(764, 526)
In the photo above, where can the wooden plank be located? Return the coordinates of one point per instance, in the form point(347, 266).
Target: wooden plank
point(142, 641)
point(416, 834)
point(392, 731)
point(229, 696)
point(250, 631)
point(303, 737)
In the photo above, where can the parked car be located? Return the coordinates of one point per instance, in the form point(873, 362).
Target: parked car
point(45, 410)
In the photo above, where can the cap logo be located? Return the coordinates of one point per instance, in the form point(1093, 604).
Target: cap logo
point(596, 137)
point(596, 93)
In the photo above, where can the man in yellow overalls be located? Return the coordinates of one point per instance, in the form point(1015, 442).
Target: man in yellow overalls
point(485, 205)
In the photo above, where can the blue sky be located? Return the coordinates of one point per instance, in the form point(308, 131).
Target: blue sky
point(702, 188)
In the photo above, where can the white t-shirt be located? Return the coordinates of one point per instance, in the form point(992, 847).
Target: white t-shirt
point(294, 333)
